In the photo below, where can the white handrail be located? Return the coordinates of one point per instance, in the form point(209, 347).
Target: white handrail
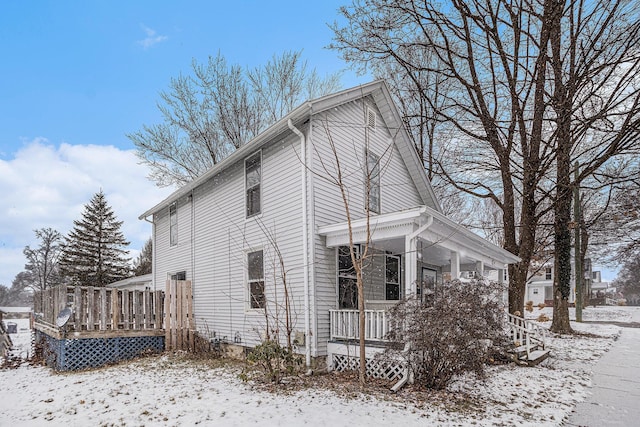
point(524, 332)
point(344, 324)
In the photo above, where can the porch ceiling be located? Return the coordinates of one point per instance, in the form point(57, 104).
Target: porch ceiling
point(437, 237)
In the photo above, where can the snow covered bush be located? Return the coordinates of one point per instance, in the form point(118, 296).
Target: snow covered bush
point(454, 331)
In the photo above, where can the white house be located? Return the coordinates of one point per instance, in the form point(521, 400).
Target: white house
point(539, 287)
point(272, 210)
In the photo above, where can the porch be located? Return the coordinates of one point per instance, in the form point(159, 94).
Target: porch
point(410, 253)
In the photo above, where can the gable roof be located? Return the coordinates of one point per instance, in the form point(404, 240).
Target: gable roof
point(382, 97)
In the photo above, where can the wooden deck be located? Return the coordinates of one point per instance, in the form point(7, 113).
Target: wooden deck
point(99, 312)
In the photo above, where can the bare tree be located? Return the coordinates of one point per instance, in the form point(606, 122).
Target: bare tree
point(333, 170)
point(595, 98)
point(42, 261)
point(493, 107)
point(219, 108)
point(531, 87)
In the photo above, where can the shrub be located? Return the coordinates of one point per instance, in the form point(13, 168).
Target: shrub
point(455, 332)
point(274, 360)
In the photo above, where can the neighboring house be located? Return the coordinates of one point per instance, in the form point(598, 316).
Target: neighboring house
point(271, 208)
point(136, 283)
point(539, 287)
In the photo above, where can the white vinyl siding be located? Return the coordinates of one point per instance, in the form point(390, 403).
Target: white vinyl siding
point(222, 237)
point(397, 192)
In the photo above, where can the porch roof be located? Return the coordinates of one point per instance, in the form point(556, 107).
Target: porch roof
point(425, 223)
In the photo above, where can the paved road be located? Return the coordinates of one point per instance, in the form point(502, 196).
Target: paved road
point(615, 398)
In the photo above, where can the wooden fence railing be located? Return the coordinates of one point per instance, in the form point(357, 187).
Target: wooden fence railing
point(180, 325)
point(108, 311)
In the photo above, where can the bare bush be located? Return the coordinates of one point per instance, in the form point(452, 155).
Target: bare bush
point(456, 331)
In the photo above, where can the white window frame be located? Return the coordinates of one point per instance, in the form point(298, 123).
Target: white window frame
point(387, 282)
point(249, 282)
point(173, 224)
point(259, 185)
point(341, 275)
point(548, 273)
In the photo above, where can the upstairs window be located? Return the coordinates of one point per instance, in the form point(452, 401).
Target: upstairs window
point(253, 183)
point(548, 273)
point(255, 270)
point(372, 181)
point(173, 225)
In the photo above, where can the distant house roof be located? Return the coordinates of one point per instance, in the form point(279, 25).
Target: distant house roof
point(8, 310)
point(380, 93)
point(132, 281)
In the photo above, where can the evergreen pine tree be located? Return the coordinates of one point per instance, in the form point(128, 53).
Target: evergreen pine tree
point(142, 264)
point(94, 253)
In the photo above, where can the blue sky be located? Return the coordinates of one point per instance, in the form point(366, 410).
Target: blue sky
point(77, 76)
point(90, 72)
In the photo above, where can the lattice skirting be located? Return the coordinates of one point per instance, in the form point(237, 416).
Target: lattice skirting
point(74, 354)
point(392, 371)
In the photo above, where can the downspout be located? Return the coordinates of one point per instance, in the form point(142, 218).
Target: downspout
point(305, 246)
point(153, 252)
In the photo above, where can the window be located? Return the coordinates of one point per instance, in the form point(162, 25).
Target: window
point(548, 274)
point(372, 181)
point(535, 291)
point(594, 275)
point(173, 225)
point(392, 273)
point(255, 269)
point(253, 181)
point(347, 283)
point(181, 275)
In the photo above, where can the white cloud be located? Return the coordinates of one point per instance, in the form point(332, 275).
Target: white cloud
point(48, 186)
point(152, 37)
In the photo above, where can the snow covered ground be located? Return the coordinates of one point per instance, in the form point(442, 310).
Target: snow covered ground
point(170, 390)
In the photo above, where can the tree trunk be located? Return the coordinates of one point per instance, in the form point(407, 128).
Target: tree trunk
point(562, 105)
point(361, 324)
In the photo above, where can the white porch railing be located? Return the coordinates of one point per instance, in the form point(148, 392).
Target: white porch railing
point(525, 332)
point(344, 324)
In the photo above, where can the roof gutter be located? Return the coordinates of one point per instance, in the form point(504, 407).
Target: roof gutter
point(305, 242)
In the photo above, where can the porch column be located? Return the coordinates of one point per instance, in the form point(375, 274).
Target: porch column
point(411, 265)
point(455, 265)
point(480, 268)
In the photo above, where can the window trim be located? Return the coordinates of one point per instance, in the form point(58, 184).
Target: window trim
point(386, 281)
point(339, 276)
point(548, 273)
point(372, 182)
point(259, 185)
point(249, 282)
point(173, 226)
point(177, 275)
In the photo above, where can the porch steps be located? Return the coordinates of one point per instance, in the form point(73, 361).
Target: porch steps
point(534, 356)
point(528, 340)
